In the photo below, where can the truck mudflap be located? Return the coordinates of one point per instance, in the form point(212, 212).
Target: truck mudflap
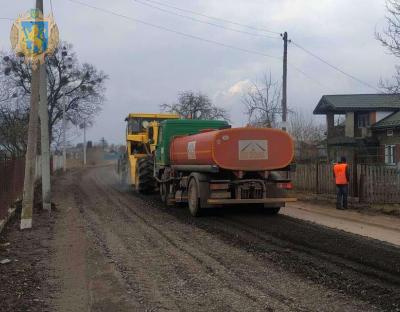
point(278, 201)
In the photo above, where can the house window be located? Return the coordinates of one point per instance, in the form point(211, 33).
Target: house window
point(390, 157)
point(363, 120)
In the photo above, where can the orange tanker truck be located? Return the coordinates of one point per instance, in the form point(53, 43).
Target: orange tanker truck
point(206, 163)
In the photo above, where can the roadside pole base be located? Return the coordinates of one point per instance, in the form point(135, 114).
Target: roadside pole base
point(26, 224)
point(47, 207)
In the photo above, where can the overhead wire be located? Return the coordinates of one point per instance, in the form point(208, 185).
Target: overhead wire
point(269, 31)
point(213, 17)
point(254, 34)
point(205, 22)
point(335, 67)
point(217, 42)
point(196, 38)
point(174, 31)
point(291, 65)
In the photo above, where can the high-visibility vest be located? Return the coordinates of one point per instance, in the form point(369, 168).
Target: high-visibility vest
point(340, 173)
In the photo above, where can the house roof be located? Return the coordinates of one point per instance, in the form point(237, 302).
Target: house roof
point(342, 103)
point(390, 121)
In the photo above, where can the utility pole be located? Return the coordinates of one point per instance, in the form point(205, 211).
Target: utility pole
point(31, 150)
point(44, 140)
point(284, 84)
point(84, 142)
point(64, 138)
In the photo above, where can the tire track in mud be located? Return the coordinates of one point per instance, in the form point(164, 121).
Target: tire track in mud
point(379, 287)
point(388, 274)
point(137, 286)
point(181, 242)
point(208, 269)
point(117, 204)
point(145, 200)
point(330, 270)
point(371, 282)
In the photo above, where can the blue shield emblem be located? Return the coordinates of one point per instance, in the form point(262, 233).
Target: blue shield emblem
point(36, 36)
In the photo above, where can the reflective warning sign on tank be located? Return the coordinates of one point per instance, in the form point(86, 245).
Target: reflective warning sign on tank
point(253, 149)
point(191, 150)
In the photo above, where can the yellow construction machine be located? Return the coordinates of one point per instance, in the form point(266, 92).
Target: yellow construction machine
point(136, 166)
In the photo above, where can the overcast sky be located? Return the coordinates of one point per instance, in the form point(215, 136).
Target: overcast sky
point(149, 66)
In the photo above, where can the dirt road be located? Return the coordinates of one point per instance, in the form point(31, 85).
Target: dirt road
point(117, 251)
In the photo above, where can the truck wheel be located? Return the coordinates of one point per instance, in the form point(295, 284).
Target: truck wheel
point(145, 182)
point(193, 198)
point(164, 192)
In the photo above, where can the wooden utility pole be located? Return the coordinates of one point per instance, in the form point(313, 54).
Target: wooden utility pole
point(31, 151)
point(284, 84)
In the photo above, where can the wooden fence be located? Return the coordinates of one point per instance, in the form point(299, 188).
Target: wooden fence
point(12, 179)
point(11, 183)
point(379, 184)
point(369, 183)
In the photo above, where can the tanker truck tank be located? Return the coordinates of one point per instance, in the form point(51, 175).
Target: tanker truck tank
point(239, 149)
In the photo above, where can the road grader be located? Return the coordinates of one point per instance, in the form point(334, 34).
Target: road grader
point(207, 163)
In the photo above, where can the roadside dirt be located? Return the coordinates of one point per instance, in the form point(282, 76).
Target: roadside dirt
point(112, 250)
point(25, 280)
point(117, 251)
point(377, 226)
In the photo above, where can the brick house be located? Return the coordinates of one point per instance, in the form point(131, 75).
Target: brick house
point(363, 127)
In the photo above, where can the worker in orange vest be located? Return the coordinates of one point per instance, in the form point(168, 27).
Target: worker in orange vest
point(342, 177)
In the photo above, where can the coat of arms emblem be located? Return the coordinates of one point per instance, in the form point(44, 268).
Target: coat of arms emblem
point(34, 36)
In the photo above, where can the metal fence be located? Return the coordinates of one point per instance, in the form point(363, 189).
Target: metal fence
point(369, 183)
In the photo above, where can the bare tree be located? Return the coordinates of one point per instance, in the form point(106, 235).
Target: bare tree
point(390, 38)
point(14, 126)
point(73, 133)
point(305, 128)
point(308, 136)
point(195, 106)
point(81, 87)
point(263, 103)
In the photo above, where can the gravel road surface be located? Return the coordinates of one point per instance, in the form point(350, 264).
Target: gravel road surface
point(117, 251)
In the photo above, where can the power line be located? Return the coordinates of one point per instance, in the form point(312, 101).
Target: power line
point(204, 22)
point(6, 19)
point(174, 31)
point(254, 28)
point(335, 67)
point(214, 18)
point(308, 76)
point(193, 37)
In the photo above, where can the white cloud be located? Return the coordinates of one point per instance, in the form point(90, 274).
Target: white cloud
point(240, 87)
